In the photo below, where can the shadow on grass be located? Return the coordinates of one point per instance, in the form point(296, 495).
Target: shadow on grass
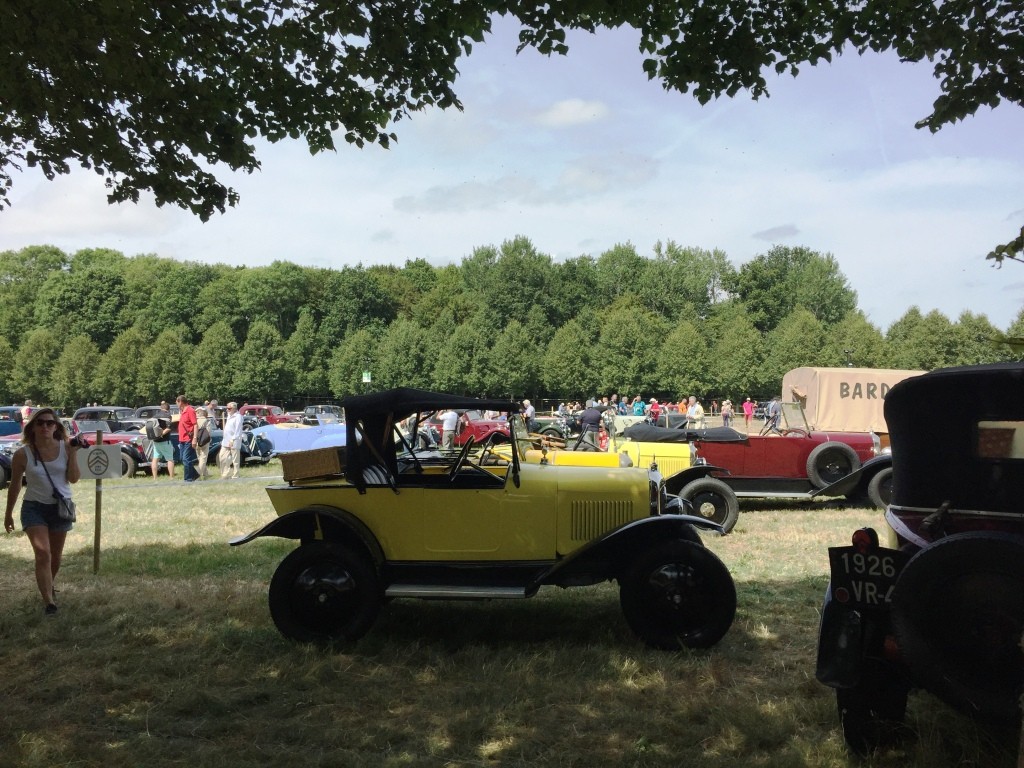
point(169, 655)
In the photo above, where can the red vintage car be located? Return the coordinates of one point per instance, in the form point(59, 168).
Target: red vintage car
point(789, 462)
point(268, 414)
point(473, 424)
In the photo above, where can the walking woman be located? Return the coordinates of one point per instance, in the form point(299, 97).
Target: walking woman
point(48, 465)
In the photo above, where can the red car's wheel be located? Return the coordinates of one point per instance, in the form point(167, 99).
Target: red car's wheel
point(830, 462)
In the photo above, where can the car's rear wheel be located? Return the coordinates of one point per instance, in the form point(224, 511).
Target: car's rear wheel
point(677, 595)
point(880, 488)
point(958, 613)
point(128, 466)
point(830, 462)
point(324, 591)
point(713, 500)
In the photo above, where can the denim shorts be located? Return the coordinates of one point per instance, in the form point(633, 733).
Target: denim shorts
point(37, 513)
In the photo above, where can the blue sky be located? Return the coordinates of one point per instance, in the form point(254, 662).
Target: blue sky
point(582, 152)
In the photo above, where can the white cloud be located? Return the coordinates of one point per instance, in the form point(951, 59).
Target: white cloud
point(572, 112)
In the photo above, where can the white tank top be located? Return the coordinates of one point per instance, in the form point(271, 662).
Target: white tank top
point(37, 487)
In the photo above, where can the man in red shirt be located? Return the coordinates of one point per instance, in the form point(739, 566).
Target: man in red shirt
point(186, 438)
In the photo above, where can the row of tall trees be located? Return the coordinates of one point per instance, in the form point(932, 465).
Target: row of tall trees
point(509, 320)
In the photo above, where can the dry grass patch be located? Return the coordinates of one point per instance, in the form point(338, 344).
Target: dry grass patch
point(168, 656)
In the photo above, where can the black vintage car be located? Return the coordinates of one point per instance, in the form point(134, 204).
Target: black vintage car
point(941, 608)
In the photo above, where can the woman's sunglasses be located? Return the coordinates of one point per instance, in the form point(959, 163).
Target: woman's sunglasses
point(45, 422)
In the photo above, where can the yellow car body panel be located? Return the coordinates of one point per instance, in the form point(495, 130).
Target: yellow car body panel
point(670, 457)
point(553, 511)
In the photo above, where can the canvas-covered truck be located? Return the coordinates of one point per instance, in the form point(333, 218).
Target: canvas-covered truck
point(843, 399)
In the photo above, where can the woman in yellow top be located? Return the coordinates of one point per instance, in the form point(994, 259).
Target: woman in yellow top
point(47, 462)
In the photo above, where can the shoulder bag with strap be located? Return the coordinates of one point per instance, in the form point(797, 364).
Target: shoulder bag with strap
point(65, 507)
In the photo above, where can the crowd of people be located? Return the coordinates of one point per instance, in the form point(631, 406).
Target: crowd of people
point(652, 409)
point(189, 430)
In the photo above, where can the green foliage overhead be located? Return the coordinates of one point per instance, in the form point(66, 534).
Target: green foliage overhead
point(152, 96)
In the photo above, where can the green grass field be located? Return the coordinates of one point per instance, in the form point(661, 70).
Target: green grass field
point(168, 656)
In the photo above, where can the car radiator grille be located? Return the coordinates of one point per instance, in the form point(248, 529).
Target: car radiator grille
point(592, 518)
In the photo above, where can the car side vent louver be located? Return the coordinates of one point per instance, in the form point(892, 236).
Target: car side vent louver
point(592, 518)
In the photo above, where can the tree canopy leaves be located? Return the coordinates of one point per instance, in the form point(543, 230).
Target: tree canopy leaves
point(156, 96)
point(505, 322)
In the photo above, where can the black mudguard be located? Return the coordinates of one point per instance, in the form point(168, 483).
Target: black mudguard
point(856, 483)
point(318, 523)
point(605, 558)
point(675, 483)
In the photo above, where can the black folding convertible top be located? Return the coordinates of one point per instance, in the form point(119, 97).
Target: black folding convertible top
point(649, 433)
point(370, 436)
point(405, 401)
point(945, 427)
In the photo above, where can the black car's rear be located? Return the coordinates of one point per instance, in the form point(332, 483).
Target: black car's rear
point(942, 607)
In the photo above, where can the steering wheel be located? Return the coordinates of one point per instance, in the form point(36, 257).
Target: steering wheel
point(463, 454)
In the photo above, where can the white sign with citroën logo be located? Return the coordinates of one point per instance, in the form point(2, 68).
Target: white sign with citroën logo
point(100, 461)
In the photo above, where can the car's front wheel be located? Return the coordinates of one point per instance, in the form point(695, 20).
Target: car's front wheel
point(830, 462)
point(324, 591)
point(128, 465)
point(678, 594)
point(880, 488)
point(713, 500)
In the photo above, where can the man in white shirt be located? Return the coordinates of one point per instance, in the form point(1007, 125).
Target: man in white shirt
point(231, 443)
point(449, 423)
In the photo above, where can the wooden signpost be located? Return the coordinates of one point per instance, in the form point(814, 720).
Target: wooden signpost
point(97, 462)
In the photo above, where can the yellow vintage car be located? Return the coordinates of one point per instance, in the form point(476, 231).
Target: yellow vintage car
point(690, 479)
point(385, 518)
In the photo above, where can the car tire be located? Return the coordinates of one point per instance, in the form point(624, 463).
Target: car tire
point(678, 594)
point(830, 462)
point(872, 711)
point(128, 465)
point(713, 500)
point(958, 614)
point(324, 592)
point(880, 488)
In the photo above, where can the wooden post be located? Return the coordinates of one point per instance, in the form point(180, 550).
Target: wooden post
point(98, 523)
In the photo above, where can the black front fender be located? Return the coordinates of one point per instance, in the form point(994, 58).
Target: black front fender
point(319, 523)
point(856, 483)
point(607, 557)
point(681, 479)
